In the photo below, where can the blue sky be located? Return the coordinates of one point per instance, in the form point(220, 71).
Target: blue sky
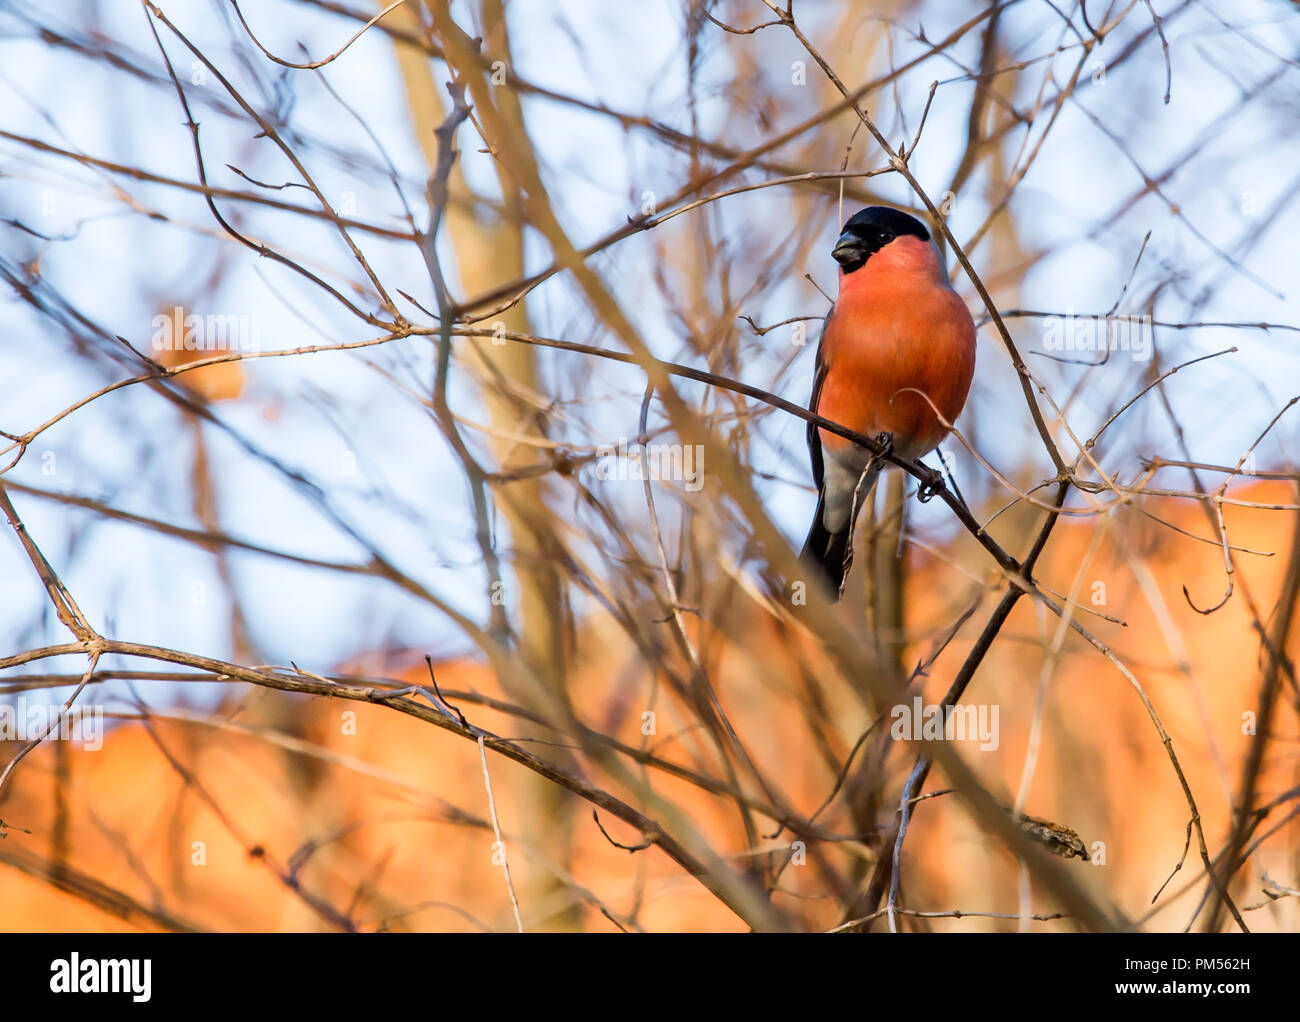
point(324, 413)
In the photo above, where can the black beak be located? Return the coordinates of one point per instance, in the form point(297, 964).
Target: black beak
point(849, 249)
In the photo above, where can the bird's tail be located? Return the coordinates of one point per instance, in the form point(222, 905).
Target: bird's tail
point(824, 554)
point(827, 554)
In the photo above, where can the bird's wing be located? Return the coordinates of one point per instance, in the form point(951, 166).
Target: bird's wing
point(814, 435)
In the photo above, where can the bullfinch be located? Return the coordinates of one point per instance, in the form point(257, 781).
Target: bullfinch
point(897, 327)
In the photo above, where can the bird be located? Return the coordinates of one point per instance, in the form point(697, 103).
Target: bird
point(897, 330)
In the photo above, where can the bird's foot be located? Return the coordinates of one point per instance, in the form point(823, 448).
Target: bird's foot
point(932, 484)
point(885, 441)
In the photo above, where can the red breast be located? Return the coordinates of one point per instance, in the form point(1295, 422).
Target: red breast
point(897, 325)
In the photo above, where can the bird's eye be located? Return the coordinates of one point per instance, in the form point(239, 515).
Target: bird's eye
point(885, 237)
